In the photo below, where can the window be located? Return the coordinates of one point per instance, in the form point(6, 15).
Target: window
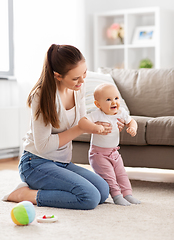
point(6, 39)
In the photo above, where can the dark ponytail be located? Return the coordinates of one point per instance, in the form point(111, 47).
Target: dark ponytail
point(60, 59)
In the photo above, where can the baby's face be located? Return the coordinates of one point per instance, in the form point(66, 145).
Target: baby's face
point(109, 100)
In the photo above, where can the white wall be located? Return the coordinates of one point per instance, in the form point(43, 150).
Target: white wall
point(9, 96)
point(92, 6)
point(38, 24)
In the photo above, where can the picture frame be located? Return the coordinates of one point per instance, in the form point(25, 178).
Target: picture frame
point(144, 35)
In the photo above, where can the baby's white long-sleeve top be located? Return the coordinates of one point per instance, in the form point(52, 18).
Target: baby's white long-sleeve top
point(111, 140)
point(43, 140)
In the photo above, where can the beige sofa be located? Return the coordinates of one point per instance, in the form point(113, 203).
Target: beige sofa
point(149, 96)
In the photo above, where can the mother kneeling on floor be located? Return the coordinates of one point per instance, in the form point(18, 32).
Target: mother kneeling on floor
point(57, 103)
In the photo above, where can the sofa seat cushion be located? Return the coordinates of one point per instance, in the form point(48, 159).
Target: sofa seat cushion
point(160, 131)
point(140, 138)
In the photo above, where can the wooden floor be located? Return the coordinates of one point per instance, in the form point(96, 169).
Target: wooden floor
point(10, 163)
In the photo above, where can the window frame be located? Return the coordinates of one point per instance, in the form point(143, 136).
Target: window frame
point(10, 73)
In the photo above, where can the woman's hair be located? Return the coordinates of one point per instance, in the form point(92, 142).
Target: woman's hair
point(60, 59)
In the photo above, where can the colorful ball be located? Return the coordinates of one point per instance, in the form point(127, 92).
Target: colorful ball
point(23, 213)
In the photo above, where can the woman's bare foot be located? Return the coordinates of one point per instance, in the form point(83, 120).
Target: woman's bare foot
point(23, 194)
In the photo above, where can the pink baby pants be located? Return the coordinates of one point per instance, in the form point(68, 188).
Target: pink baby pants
point(108, 163)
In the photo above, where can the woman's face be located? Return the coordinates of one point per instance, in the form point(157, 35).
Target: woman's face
point(75, 77)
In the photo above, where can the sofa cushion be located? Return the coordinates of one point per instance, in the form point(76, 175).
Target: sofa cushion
point(160, 131)
point(147, 92)
point(140, 138)
point(93, 79)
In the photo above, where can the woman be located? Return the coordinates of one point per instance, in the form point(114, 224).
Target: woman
point(57, 103)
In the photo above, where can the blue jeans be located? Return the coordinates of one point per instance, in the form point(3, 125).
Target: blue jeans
point(62, 185)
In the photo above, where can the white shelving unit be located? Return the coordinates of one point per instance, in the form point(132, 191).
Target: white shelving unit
point(109, 53)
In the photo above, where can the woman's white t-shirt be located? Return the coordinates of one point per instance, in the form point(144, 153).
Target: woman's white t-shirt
point(43, 140)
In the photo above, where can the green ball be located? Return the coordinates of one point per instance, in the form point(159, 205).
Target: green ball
point(23, 213)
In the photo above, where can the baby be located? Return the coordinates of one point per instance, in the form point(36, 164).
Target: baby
point(103, 154)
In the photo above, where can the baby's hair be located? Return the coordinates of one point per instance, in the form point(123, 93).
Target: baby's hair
point(99, 88)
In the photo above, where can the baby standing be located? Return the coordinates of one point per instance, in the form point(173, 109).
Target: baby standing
point(103, 154)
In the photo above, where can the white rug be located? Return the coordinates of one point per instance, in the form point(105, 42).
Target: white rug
point(151, 220)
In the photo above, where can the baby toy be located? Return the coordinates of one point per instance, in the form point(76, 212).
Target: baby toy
point(47, 219)
point(23, 213)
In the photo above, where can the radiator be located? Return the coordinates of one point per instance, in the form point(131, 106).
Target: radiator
point(9, 132)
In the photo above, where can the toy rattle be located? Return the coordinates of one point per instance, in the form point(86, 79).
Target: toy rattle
point(46, 219)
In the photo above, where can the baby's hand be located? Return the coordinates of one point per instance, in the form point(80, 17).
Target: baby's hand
point(99, 128)
point(132, 131)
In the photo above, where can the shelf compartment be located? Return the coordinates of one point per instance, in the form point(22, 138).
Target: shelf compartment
point(103, 23)
point(135, 55)
point(137, 20)
point(113, 58)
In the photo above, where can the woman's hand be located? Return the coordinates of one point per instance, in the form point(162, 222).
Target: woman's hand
point(107, 127)
point(120, 124)
point(99, 129)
